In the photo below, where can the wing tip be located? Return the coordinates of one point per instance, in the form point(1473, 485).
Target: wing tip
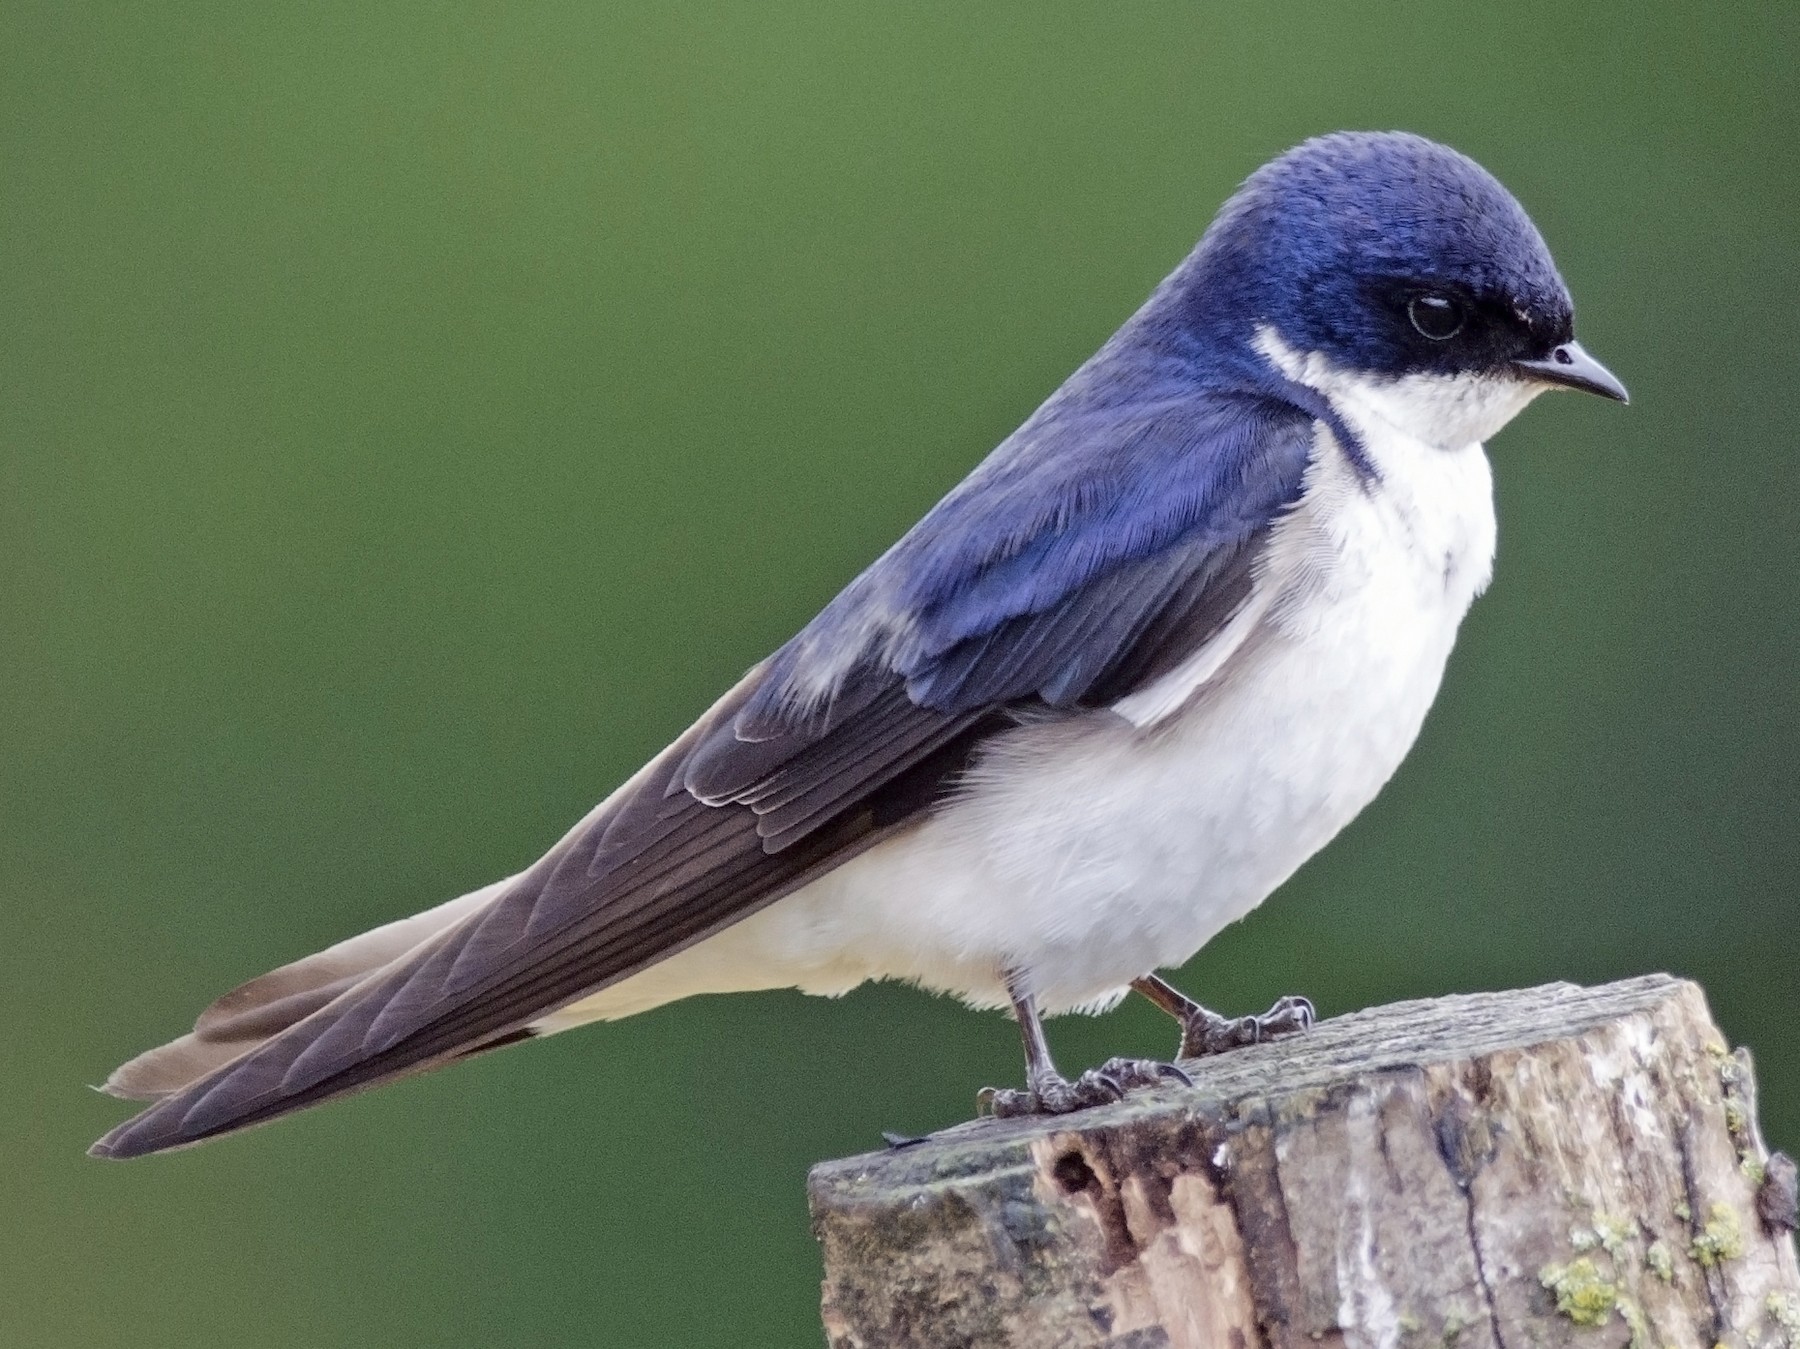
point(169, 1125)
point(132, 1139)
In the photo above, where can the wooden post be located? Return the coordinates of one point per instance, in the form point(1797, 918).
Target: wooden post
point(1553, 1167)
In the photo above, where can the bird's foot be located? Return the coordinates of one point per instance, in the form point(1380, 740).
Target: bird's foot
point(1053, 1094)
point(1205, 1032)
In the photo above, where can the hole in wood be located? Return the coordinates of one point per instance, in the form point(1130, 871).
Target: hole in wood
point(1073, 1173)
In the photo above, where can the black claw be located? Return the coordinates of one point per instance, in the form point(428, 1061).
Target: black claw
point(1295, 1006)
point(1205, 1032)
point(1005, 1103)
point(1132, 1073)
point(1111, 1081)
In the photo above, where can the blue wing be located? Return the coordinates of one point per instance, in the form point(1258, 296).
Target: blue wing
point(1095, 549)
point(1090, 553)
point(1041, 572)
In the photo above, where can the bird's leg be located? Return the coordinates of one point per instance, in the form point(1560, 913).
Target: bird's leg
point(1205, 1032)
point(1047, 1091)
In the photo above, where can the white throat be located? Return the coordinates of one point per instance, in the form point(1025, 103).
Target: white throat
point(1449, 412)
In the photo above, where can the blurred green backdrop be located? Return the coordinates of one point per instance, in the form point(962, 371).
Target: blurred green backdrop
point(411, 414)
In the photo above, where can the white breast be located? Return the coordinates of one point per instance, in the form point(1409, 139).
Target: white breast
point(1088, 852)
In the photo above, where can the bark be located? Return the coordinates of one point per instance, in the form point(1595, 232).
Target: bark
point(1551, 1167)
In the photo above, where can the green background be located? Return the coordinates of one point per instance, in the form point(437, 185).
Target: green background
point(411, 414)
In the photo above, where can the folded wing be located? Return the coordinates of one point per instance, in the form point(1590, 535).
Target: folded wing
point(1048, 584)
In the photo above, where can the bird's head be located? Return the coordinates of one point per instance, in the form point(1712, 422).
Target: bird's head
point(1387, 258)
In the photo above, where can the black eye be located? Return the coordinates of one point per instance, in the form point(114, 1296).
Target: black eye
point(1435, 316)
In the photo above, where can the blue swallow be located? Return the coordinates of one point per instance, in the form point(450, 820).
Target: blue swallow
point(1154, 652)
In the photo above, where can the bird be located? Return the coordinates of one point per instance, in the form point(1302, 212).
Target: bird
point(1155, 651)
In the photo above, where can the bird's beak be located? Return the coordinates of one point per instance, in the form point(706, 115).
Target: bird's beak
point(1573, 368)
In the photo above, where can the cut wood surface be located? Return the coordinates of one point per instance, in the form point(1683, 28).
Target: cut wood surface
point(1556, 1166)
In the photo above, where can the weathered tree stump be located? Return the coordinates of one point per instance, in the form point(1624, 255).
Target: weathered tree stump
point(1554, 1167)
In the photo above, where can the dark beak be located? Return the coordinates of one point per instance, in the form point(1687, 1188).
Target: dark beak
point(1573, 368)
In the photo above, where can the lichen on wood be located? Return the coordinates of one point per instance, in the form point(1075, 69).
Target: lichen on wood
point(1550, 1168)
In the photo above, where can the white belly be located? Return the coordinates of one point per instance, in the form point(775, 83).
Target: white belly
point(1088, 852)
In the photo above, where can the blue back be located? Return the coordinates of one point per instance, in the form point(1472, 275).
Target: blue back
point(1161, 463)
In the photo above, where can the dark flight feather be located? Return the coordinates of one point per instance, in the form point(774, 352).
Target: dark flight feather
point(1069, 607)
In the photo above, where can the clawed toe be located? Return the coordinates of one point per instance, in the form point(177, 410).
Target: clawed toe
point(1207, 1032)
point(1289, 1016)
point(1056, 1095)
point(1203, 1032)
point(1005, 1102)
point(1212, 1034)
point(1059, 1097)
point(1094, 1087)
point(1134, 1073)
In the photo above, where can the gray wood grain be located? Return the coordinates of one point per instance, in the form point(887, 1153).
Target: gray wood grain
point(1556, 1166)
